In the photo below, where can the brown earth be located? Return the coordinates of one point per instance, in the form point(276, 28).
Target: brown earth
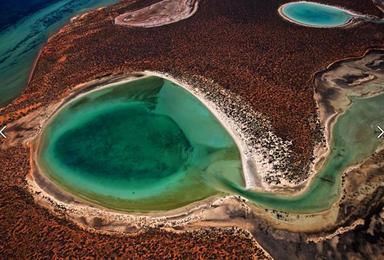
point(242, 45)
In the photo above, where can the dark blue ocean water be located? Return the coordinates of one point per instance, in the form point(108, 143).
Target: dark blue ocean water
point(25, 25)
point(13, 11)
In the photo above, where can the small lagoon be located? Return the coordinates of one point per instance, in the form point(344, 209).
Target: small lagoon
point(315, 15)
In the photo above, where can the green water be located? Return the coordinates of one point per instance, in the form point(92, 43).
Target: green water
point(354, 138)
point(316, 15)
point(146, 145)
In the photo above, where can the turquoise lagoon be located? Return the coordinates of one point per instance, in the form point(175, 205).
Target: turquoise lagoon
point(145, 145)
point(315, 15)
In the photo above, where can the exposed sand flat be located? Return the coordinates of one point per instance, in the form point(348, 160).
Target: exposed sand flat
point(158, 14)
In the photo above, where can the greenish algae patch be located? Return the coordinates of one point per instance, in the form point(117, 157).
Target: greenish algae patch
point(147, 145)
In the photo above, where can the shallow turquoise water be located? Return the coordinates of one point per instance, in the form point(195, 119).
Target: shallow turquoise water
point(140, 146)
point(316, 15)
point(20, 43)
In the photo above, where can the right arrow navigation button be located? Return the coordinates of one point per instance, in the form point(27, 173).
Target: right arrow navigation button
point(381, 132)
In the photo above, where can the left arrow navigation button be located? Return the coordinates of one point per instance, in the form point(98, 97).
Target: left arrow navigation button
point(2, 132)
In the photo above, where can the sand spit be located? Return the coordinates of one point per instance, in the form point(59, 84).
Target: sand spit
point(265, 156)
point(249, 129)
point(159, 14)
